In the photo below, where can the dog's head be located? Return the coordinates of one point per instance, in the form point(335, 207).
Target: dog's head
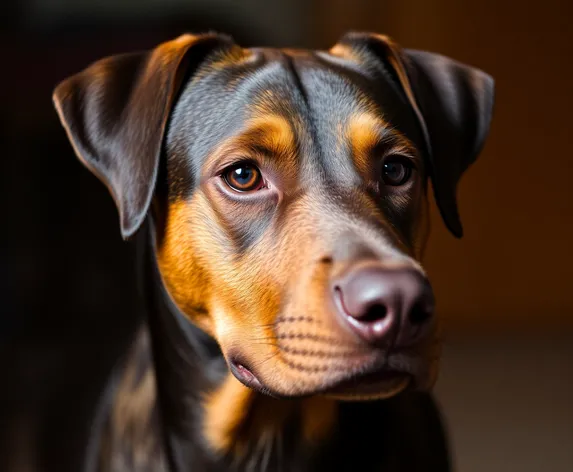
point(291, 196)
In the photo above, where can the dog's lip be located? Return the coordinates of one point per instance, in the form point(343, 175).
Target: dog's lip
point(244, 375)
point(378, 383)
point(382, 376)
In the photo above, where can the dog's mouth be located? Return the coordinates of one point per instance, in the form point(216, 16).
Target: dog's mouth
point(375, 384)
point(246, 376)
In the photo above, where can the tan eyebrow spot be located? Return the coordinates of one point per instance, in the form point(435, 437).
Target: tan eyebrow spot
point(268, 134)
point(272, 132)
point(365, 131)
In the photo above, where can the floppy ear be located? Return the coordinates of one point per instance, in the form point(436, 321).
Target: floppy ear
point(115, 113)
point(453, 103)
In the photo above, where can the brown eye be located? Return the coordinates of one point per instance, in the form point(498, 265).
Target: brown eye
point(243, 178)
point(396, 171)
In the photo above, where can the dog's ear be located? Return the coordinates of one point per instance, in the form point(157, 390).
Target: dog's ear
point(115, 113)
point(453, 104)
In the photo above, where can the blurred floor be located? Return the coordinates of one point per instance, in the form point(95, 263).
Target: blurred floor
point(509, 404)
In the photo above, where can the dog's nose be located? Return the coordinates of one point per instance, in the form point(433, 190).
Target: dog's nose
point(384, 305)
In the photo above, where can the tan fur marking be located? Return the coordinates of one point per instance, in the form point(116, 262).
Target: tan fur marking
point(179, 259)
point(236, 418)
point(270, 134)
point(363, 133)
point(319, 416)
point(274, 133)
point(225, 411)
point(366, 130)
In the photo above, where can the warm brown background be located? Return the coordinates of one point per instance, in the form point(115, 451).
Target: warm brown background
point(505, 289)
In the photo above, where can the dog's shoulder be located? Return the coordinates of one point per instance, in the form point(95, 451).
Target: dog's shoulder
point(131, 439)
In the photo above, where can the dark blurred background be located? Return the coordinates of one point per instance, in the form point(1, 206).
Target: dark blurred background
point(505, 290)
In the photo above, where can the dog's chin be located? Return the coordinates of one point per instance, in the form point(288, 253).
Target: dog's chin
point(376, 386)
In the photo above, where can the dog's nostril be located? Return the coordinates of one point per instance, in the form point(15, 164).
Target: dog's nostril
point(366, 314)
point(419, 314)
point(374, 313)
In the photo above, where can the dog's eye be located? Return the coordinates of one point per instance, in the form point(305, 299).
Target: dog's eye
point(243, 178)
point(396, 171)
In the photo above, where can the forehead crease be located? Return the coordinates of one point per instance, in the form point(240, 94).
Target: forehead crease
point(277, 93)
point(335, 88)
point(333, 99)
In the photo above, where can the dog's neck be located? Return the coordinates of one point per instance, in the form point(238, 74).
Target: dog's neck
point(201, 419)
point(209, 418)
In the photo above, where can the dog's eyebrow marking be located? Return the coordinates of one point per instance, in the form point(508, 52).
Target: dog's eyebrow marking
point(267, 136)
point(367, 131)
point(270, 133)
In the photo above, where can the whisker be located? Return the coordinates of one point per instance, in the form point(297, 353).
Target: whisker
point(266, 338)
point(267, 325)
point(260, 363)
point(260, 343)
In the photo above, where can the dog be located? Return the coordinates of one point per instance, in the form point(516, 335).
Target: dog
point(278, 198)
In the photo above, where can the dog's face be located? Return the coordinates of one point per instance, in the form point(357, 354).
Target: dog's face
point(294, 210)
point(288, 175)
